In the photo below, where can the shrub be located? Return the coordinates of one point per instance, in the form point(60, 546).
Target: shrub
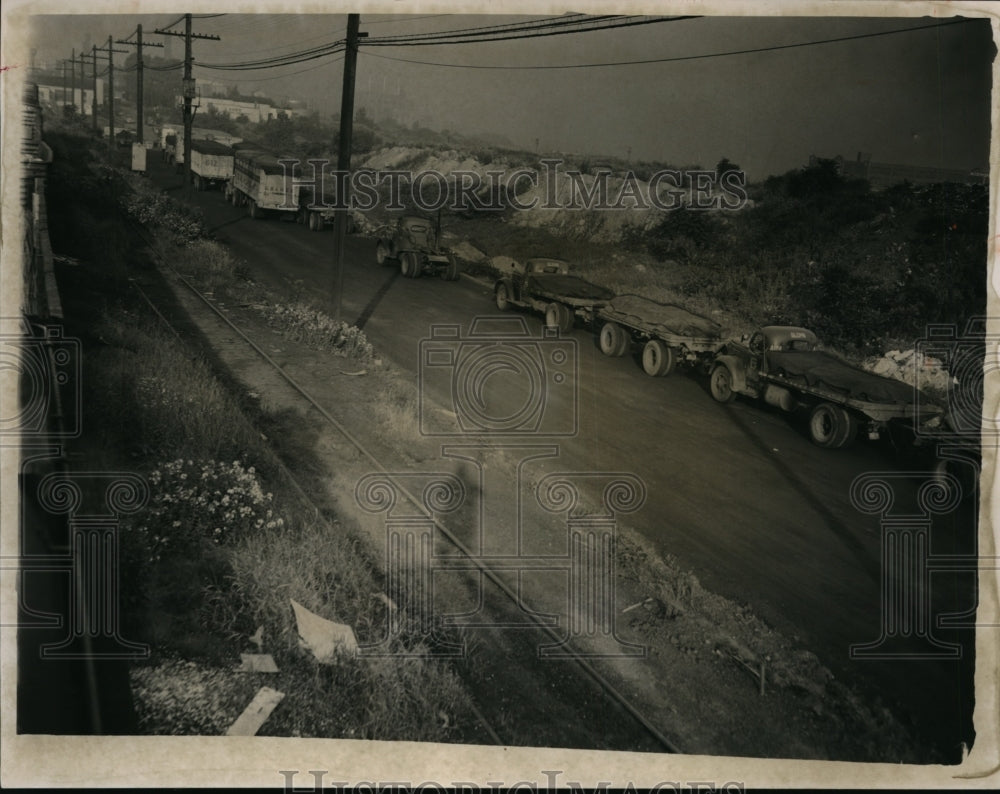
point(318, 330)
point(194, 502)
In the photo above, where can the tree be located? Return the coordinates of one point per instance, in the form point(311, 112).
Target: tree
point(725, 166)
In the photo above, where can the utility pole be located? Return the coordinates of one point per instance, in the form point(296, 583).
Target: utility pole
point(111, 91)
point(189, 87)
point(64, 83)
point(344, 158)
point(138, 79)
point(83, 93)
point(72, 80)
point(93, 114)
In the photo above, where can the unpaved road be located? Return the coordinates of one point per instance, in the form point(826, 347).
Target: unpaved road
point(737, 493)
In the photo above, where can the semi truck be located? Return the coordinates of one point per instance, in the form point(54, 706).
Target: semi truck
point(211, 164)
point(259, 183)
point(546, 285)
point(783, 366)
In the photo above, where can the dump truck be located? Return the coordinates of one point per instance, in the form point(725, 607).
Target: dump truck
point(668, 335)
point(412, 244)
point(783, 366)
point(259, 183)
point(546, 285)
point(211, 164)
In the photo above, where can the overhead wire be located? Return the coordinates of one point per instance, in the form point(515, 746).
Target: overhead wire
point(671, 59)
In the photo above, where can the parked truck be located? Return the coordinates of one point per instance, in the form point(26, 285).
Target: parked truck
point(546, 285)
point(211, 164)
point(783, 366)
point(412, 243)
point(259, 183)
point(668, 335)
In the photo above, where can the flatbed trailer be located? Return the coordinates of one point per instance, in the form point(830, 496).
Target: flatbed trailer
point(547, 286)
point(669, 335)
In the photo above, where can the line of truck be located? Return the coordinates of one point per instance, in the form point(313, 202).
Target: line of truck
point(782, 366)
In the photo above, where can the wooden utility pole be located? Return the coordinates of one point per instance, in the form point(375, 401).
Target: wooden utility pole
point(138, 79)
point(189, 88)
point(83, 93)
point(72, 80)
point(94, 97)
point(344, 159)
point(111, 91)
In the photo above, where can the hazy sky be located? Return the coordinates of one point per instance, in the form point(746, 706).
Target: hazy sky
point(920, 98)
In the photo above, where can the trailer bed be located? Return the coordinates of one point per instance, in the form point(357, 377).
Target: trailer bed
point(674, 324)
point(571, 290)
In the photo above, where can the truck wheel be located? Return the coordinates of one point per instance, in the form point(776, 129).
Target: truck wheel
point(502, 297)
point(254, 210)
point(720, 383)
point(567, 318)
point(197, 183)
point(831, 426)
point(315, 221)
point(657, 359)
point(409, 264)
point(558, 316)
point(613, 340)
point(381, 253)
point(451, 272)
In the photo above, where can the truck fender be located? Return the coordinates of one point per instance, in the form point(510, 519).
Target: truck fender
point(736, 370)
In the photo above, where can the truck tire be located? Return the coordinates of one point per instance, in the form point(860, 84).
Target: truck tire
point(382, 254)
point(502, 297)
point(658, 359)
point(831, 426)
point(613, 340)
point(450, 273)
point(254, 210)
point(560, 316)
point(198, 185)
point(720, 384)
point(315, 222)
point(409, 264)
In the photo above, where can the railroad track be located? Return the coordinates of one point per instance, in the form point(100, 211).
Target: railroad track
point(643, 734)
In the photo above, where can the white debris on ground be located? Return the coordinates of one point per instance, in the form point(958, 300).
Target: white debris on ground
point(325, 639)
point(912, 367)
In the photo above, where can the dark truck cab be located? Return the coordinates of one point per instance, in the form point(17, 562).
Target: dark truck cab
point(412, 243)
point(782, 365)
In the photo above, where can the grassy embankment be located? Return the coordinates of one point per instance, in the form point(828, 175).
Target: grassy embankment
point(224, 541)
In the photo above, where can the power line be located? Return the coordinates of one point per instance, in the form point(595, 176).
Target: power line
point(275, 77)
point(405, 18)
point(548, 26)
point(288, 59)
point(677, 58)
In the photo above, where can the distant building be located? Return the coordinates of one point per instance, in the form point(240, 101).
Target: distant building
point(53, 93)
point(883, 175)
point(234, 108)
